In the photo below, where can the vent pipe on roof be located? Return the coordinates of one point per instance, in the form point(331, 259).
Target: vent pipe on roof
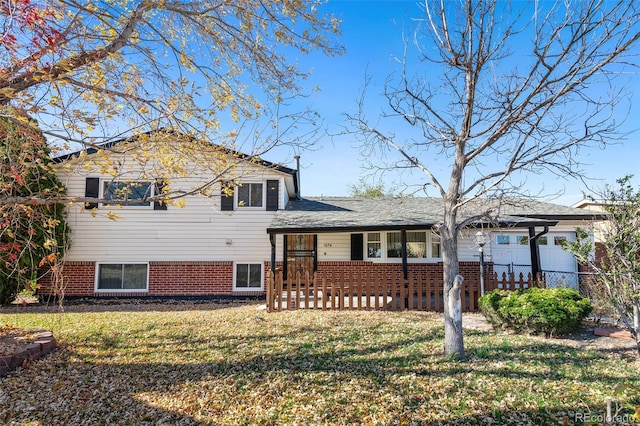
point(297, 157)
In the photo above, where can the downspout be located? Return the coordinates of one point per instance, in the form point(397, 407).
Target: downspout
point(534, 248)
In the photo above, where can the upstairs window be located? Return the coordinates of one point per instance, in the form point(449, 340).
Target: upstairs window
point(250, 195)
point(124, 193)
point(127, 193)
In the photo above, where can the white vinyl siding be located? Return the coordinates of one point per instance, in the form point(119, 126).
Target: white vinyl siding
point(332, 246)
point(199, 231)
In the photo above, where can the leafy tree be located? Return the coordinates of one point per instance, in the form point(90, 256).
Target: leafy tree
point(32, 236)
point(92, 72)
point(617, 265)
point(366, 190)
point(493, 91)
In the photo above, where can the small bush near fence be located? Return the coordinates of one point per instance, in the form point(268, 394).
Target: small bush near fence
point(548, 311)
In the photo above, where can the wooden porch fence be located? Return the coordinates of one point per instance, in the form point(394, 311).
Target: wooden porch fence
point(421, 291)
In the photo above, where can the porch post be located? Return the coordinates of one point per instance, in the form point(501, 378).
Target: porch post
point(272, 240)
point(284, 257)
point(315, 252)
point(403, 242)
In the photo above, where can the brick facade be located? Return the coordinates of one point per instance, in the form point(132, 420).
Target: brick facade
point(364, 267)
point(190, 278)
point(165, 279)
point(216, 278)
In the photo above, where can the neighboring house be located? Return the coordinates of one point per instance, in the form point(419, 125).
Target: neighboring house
point(598, 227)
point(225, 243)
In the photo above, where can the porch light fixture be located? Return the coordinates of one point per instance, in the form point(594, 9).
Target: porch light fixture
point(481, 240)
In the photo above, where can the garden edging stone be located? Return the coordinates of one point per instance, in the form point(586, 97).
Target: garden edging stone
point(44, 344)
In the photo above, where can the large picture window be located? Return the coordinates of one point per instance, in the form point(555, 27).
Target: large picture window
point(416, 245)
point(248, 276)
point(388, 245)
point(131, 192)
point(394, 245)
point(250, 195)
point(122, 276)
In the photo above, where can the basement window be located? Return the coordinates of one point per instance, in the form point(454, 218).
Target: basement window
point(122, 277)
point(248, 276)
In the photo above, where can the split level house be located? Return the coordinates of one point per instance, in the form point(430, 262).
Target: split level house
point(249, 218)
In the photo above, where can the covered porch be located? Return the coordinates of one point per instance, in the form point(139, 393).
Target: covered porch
point(385, 253)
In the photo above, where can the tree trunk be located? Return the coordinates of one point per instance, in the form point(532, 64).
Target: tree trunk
point(453, 337)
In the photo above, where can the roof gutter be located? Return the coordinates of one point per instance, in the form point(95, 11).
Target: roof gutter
point(324, 228)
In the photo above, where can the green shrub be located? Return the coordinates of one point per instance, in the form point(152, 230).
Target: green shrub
point(489, 304)
point(546, 311)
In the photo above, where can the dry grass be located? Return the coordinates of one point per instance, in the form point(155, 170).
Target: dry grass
point(238, 365)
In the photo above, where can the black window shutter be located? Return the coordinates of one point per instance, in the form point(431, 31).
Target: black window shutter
point(273, 195)
point(92, 190)
point(357, 246)
point(160, 204)
point(226, 201)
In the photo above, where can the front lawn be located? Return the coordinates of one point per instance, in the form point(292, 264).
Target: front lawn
point(205, 364)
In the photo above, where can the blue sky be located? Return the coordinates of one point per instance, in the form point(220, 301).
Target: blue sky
point(372, 36)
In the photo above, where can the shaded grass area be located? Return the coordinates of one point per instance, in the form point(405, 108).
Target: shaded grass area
point(239, 365)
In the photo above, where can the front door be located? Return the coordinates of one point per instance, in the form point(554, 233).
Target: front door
point(301, 255)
